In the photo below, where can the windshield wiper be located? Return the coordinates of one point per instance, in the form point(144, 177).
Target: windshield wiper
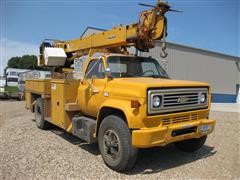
point(156, 76)
point(153, 76)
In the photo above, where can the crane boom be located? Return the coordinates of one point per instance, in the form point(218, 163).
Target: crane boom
point(152, 26)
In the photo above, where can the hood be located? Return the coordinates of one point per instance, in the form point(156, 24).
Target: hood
point(137, 87)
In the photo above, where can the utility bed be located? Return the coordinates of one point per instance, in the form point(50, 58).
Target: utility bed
point(58, 97)
point(38, 86)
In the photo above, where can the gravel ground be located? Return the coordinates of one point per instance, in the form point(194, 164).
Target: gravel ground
point(27, 152)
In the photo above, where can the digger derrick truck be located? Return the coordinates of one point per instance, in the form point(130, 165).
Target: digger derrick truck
point(121, 101)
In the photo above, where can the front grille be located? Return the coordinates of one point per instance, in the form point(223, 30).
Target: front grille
point(179, 119)
point(177, 100)
point(171, 100)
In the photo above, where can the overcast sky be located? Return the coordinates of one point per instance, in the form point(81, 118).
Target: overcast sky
point(207, 24)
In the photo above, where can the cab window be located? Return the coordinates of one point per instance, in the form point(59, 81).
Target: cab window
point(95, 70)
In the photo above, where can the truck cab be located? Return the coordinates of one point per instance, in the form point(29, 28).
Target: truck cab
point(142, 90)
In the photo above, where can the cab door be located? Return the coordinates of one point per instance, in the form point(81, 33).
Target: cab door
point(91, 90)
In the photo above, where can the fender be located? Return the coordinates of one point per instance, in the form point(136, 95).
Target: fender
point(132, 115)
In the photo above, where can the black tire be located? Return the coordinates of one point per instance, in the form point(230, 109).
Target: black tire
point(191, 145)
point(39, 114)
point(126, 155)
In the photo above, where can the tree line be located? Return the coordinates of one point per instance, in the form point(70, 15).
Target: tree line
point(25, 62)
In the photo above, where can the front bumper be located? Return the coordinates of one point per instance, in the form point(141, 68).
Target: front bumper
point(161, 136)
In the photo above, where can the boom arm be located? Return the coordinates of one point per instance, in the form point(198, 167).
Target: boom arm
point(152, 26)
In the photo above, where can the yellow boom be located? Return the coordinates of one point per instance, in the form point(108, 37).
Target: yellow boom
point(152, 26)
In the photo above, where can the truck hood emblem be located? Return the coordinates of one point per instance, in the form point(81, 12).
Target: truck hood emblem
point(182, 99)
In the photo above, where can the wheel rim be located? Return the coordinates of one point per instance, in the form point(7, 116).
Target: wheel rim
point(111, 144)
point(38, 115)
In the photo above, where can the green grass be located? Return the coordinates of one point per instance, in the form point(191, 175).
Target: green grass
point(11, 89)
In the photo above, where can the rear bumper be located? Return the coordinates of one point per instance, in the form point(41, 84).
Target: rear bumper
point(161, 136)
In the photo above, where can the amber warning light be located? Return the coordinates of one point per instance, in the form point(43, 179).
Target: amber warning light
point(135, 104)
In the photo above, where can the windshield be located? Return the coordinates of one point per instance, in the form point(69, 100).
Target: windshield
point(122, 66)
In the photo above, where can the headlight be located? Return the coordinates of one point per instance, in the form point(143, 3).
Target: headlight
point(202, 97)
point(156, 101)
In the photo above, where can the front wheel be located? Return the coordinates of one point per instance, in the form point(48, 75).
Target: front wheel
point(191, 145)
point(114, 140)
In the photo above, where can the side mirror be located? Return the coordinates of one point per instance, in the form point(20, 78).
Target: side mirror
point(108, 73)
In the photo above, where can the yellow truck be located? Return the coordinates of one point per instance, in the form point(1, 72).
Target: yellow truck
point(121, 101)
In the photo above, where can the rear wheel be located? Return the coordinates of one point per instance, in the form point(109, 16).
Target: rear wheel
point(114, 140)
point(39, 114)
point(191, 145)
